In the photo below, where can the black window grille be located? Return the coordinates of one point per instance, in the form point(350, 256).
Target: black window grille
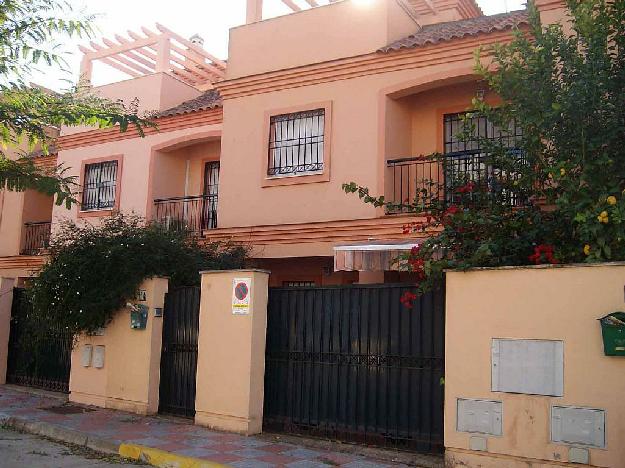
point(467, 158)
point(211, 178)
point(296, 143)
point(100, 184)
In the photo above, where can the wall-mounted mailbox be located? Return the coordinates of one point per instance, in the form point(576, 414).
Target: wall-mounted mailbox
point(613, 331)
point(139, 317)
point(98, 357)
point(480, 416)
point(578, 426)
point(85, 355)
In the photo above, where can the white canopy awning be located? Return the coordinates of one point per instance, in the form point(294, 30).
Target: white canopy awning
point(382, 256)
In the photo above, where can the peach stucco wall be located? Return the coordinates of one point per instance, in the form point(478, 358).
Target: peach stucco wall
point(170, 169)
point(231, 354)
point(357, 153)
point(297, 39)
point(155, 92)
point(130, 377)
point(11, 209)
point(561, 303)
point(6, 300)
point(139, 171)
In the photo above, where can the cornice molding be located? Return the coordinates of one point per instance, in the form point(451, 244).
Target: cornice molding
point(165, 124)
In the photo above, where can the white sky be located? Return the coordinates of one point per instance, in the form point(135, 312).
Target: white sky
point(209, 18)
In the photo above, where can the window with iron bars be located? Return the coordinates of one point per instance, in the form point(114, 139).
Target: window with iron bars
point(466, 159)
point(296, 143)
point(100, 184)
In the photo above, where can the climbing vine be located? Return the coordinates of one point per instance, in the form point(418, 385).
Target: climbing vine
point(94, 270)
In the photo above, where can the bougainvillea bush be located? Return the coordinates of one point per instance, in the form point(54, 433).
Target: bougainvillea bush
point(94, 270)
point(557, 195)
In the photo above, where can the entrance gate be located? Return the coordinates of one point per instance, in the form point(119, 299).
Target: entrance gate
point(179, 352)
point(39, 352)
point(352, 363)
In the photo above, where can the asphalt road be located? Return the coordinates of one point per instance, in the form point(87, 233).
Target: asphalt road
point(25, 451)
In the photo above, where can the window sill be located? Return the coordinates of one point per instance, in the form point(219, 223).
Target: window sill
point(95, 213)
point(296, 179)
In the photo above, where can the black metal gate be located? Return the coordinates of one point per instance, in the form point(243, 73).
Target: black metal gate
point(352, 363)
point(39, 352)
point(179, 351)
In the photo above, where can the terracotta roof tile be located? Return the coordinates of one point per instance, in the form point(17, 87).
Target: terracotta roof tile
point(208, 100)
point(435, 33)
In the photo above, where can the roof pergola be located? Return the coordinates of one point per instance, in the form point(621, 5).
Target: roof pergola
point(151, 52)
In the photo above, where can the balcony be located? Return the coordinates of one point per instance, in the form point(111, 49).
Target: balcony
point(36, 238)
point(425, 182)
point(187, 214)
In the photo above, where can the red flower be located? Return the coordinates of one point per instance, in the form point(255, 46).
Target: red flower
point(543, 253)
point(408, 299)
point(468, 188)
point(452, 210)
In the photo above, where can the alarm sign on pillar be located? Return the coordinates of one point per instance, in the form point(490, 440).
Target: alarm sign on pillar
point(241, 296)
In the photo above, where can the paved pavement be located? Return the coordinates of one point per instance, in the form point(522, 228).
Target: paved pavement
point(109, 430)
point(25, 450)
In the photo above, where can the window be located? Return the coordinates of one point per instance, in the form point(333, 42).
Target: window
point(211, 195)
point(100, 186)
point(296, 143)
point(466, 159)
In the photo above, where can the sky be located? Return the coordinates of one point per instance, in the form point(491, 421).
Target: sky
point(209, 18)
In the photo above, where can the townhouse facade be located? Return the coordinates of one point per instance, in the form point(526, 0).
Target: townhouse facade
point(256, 150)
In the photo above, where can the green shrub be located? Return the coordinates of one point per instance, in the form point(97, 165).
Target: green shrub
point(94, 270)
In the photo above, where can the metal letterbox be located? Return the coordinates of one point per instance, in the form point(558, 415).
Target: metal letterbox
point(139, 317)
point(480, 416)
point(578, 426)
point(613, 331)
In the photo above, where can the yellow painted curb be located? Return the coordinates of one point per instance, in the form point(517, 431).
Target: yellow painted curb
point(163, 459)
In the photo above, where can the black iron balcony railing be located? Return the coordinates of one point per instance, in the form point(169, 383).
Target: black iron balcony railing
point(36, 238)
point(192, 214)
point(414, 179)
point(426, 181)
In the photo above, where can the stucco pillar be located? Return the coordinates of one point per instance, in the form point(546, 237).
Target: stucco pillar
point(231, 351)
point(128, 378)
point(6, 301)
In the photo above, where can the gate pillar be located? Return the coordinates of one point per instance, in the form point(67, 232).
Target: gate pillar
point(6, 300)
point(120, 367)
point(231, 350)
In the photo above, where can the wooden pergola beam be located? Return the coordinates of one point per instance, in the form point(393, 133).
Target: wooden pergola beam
point(190, 45)
point(154, 52)
point(292, 5)
point(120, 58)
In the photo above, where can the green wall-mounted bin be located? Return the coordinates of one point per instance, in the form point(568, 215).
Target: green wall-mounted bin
point(139, 317)
point(613, 330)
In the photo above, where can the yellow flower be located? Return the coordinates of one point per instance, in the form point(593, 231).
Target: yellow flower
point(603, 217)
point(587, 249)
point(562, 172)
point(611, 200)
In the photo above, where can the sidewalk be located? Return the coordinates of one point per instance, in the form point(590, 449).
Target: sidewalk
point(168, 442)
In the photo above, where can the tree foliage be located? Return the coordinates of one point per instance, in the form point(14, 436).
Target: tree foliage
point(94, 270)
point(564, 86)
point(31, 34)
